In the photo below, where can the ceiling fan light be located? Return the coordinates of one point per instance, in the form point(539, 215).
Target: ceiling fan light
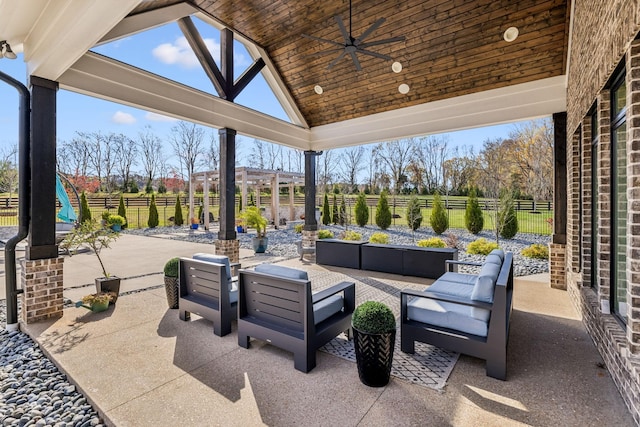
point(396, 67)
point(318, 89)
point(403, 88)
point(511, 34)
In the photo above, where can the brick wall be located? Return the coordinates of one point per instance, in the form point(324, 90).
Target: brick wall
point(230, 248)
point(42, 285)
point(574, 212)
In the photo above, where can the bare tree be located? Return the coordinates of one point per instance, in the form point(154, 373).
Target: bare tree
point(274, 157)
point(327, 165)
point(8, 170)
point(126, 153)
point(151, 149)
point(73, 157)
point(430, 154)
point(258, 152)
point(351, 166)
point(109, 159)
point(460, 169)
point(187, 140)
point(93, 143)
point(396, 156)
point(212, 155)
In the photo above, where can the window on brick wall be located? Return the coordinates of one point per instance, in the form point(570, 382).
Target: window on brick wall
point(595, 138)
point(619, 197)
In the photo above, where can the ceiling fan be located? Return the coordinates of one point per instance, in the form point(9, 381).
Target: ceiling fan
point(353, 45)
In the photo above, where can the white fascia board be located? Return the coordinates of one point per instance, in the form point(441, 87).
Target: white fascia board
point(16, 20)
point(147, 20)
point(66, 29)
point(102, 77)
point(513, 103)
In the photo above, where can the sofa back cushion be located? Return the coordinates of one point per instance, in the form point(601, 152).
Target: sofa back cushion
point(483, 289)
point(285, 272)
point(493, 259)
point(216, 259)
point(498, 252)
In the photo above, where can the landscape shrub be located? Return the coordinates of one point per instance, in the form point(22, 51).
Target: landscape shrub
point(537, 251)
point(122, 211)
point(473, 218)
point(343, 212)
point(481, 247)
point(383, 213)
point(326, 211)
point(414, 214)
point(378, 237)
point(351, 235)
point(298, 228)
point(85, 214)
point(507, 219)
point(177, 217)
point(439, 220)
point(362, 211)
point(334, 212)
point(153, 213)
point(432, 242)
point(325, 234)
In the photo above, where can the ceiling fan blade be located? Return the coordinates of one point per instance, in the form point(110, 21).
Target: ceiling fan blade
point(376, 54)
point(343, 30)
point(370, 30)
point(323, 40)
point(355, 61)
point(335, 61)
point(384, 41)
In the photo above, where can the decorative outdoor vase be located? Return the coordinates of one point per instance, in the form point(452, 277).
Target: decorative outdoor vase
point(171, 288)
point(260, 244)
point(116, 227)
point(374, 355)
point(96, 307)
point(109, 284)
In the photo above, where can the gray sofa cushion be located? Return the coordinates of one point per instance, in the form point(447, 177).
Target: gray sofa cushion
point(449, 315)
point(493, 259)
point(326, 308)
point(483, 289)
point(469, 279)
point(286, 272)
point(498, 252)
point(216, 259)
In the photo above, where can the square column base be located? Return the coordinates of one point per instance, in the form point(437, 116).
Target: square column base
point(230, 248)
point(557, 266)
point(309, 238)
point(42, 284)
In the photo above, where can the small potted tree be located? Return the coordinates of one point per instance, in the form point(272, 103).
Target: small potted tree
point(97, 237)
point(116, 222)
point(252, 218)
point(171, 281)
point(374, 337)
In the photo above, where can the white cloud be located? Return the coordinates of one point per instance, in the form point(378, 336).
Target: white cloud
point(155, 117)
point(123, 118)
point(179, 52)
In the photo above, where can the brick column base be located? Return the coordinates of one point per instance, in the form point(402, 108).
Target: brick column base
point(309, 238)
point(557, 265)
point(42, 284)
point(230, 248)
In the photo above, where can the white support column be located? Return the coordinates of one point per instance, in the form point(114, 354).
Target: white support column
point(191, 191)
point(275, 199)
point(292, 208)
point(258, 189)
point(205, 201)
point(244, 189)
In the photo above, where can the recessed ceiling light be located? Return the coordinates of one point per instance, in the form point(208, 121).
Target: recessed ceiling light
point(318, 89)
point(511, 34)
point(403, 88)
point(396, 67)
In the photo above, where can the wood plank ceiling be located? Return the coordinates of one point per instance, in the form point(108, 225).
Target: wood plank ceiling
point(452, 48)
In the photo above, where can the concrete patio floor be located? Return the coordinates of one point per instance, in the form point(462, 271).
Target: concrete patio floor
point(141, 366)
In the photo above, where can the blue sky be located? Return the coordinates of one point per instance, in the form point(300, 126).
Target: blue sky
point(163, 51)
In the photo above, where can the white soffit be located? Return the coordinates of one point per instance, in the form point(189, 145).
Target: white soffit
point(513, 103)
point(102, 77)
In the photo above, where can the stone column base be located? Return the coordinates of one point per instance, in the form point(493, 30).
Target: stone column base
point(309, 238)
point(42, 284)
point(557, 266)
point(230, 248)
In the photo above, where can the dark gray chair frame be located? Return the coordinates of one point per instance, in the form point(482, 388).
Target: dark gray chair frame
point(492, 348)
point(280, 311)
point(204, 290)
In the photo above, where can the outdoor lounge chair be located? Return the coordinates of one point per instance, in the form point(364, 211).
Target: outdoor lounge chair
point(208, 290)
point(276, 305)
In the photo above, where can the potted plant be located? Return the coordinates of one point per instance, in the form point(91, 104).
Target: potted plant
point(91, 234)
point(239, 225)
point(253, 218)
point(171, 281)
point(95, 302)
point(374, 337)
point(116, 222)
point(194, 223)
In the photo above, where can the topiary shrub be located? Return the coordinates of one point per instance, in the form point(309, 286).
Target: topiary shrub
point(373, 317)
point(378, 237)
point(362, 211)
point(298, 228)
point(351, 235)
point(171, 267)
point(334, 212)
point(383, 213)
point(122, 211)
point(177, 216)
point(325, 234)
point(473, 218)
point(507, 219)
point(342, 213)
point(326, 211)
point(85, 212)
point(537, 251)
point(439, 220)
point(153, 213)
point(432, 242)
point(414, 214)
point(481, 247)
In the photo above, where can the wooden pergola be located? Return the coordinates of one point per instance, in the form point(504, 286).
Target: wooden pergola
point(249, 177)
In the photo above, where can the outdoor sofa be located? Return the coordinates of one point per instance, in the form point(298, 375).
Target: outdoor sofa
point(465, 313)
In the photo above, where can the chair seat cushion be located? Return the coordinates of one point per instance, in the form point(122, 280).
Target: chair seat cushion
point(468, 279)
point(459, 289)
point(448, 315)
point(280, 271)
point(216, 259)
point(326, 308)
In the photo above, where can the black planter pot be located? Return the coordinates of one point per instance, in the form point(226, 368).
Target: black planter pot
point(109, 284)
point(374, 355)
point(171, 288)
